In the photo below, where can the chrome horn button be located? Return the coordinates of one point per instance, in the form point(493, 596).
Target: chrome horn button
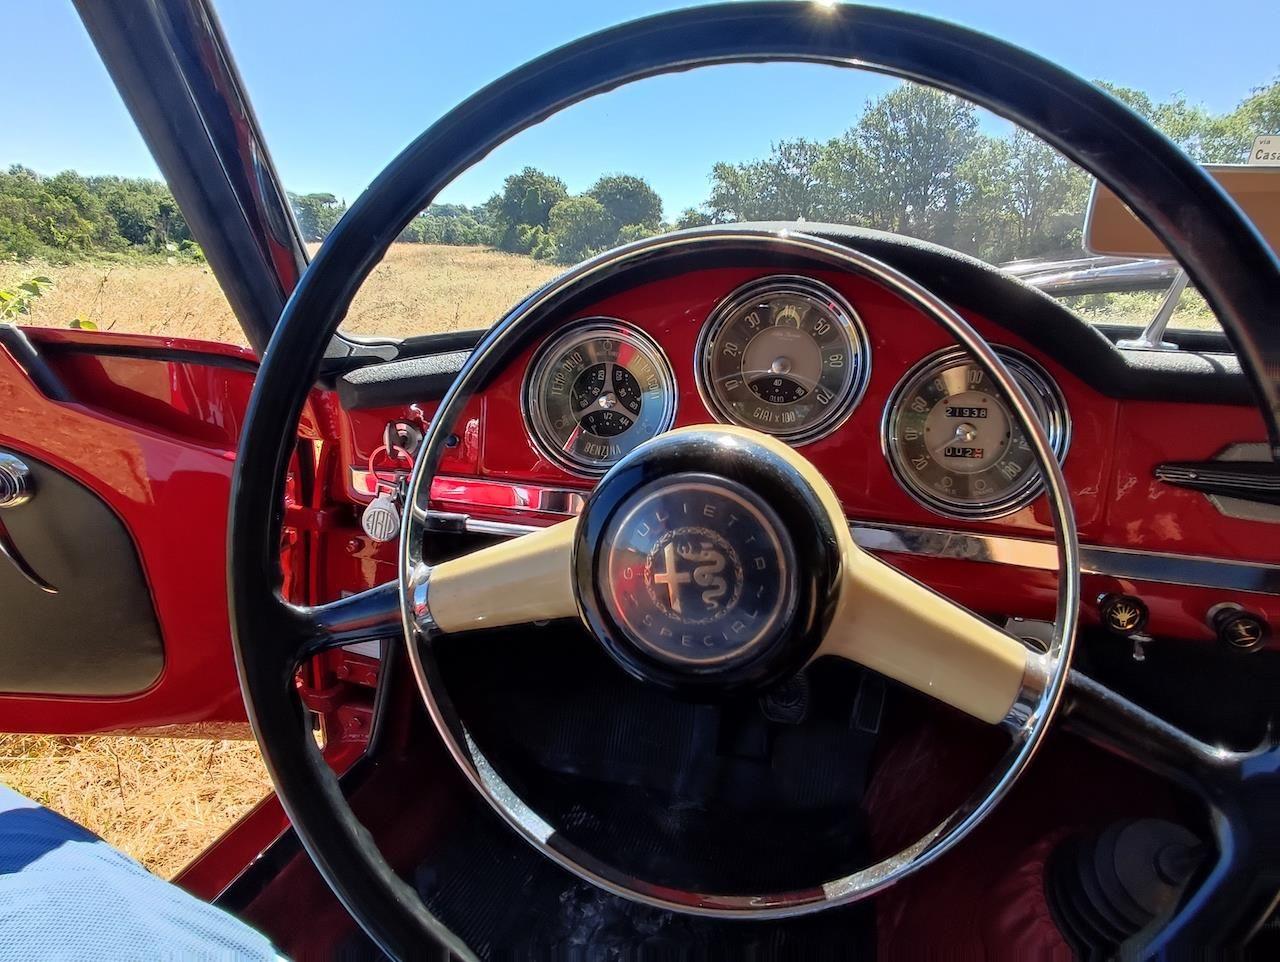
point(698, 571)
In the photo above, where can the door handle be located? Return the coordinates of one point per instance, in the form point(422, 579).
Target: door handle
point(15, 481)
point(16, 489)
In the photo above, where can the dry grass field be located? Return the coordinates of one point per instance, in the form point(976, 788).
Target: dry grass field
point(181, 299)
point(422, 288)
point(417, 289)
point(161, 800)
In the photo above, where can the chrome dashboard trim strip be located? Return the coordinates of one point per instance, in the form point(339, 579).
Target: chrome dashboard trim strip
point(484, 493)
point(956, 545)
point(1191, 571)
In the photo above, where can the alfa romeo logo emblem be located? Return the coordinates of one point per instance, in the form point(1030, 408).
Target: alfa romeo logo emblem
point(694, 575)
point(697, 571)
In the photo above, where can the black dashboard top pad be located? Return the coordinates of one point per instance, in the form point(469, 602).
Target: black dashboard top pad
point(1201, 372)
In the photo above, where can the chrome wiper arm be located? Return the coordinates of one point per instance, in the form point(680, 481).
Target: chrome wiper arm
point(1152, 336)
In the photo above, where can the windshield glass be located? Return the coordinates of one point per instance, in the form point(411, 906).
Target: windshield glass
point(339, 96)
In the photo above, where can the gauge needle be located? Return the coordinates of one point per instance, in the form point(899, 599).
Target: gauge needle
point(748, 376)
point(965, 434)
point(606, 401)
point(573, 437)
point(599, 400)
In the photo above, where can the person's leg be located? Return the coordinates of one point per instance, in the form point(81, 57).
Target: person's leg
point(65, 893)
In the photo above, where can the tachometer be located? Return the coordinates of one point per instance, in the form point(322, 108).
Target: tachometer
point(784, 355)
point(953, 442)
point(595, 392)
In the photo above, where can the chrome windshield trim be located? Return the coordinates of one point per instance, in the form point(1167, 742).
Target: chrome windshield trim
point(1191, 571)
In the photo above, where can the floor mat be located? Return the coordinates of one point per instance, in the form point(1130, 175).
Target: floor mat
point(507, 901)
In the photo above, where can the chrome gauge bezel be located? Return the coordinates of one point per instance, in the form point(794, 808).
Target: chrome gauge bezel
point(794, 285)
point(1046, 398)
point(542, 432)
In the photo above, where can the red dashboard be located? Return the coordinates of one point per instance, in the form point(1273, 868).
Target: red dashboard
point(1167, 545)
point(178, 406)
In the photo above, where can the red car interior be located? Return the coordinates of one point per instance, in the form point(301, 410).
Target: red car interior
point(165, 417)
point(159, 614)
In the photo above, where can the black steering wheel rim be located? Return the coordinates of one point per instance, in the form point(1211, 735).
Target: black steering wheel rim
point(1222, 252)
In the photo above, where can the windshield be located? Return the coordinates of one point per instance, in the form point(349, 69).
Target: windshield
point(338, 97)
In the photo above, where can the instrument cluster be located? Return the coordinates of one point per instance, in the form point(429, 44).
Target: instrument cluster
point(784, 355)
point(595, 392)
point(954, 444)
point(791, 357)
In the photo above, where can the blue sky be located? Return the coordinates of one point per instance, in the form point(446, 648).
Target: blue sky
point(340, 87)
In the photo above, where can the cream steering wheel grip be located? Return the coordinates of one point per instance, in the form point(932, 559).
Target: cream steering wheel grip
point(883, 619)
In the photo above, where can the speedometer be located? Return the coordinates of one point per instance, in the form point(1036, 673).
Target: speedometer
point(953, 441)
point(784, 355)
point(595, 392)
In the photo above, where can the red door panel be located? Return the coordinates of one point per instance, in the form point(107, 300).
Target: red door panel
point(151, 431)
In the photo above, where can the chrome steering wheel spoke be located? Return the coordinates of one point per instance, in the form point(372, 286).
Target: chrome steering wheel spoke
point(369, 615)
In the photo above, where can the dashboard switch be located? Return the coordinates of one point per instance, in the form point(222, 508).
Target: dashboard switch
point(1239, 629)
point(1122, 614)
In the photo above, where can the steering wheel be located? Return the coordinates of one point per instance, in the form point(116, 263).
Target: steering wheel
point(815, 592)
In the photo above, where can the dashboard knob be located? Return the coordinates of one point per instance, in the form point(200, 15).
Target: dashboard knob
point(1123, 615)
point(1239, 629)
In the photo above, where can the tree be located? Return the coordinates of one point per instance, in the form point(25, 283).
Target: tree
point(784, 186)
point(628, 200)
point(693, 217)
point(317, 214)
point(1189, 126)
point(735, 192)
point(453, 224)
point(1040, 185)
point(987, 226)
point(1209, 139)
point(72, 215)
point(905, 157)
point(634, 232)
point(526, 200)
point(579, 227)
point(144, 211)
point(794, 188)
point(1258, 114)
